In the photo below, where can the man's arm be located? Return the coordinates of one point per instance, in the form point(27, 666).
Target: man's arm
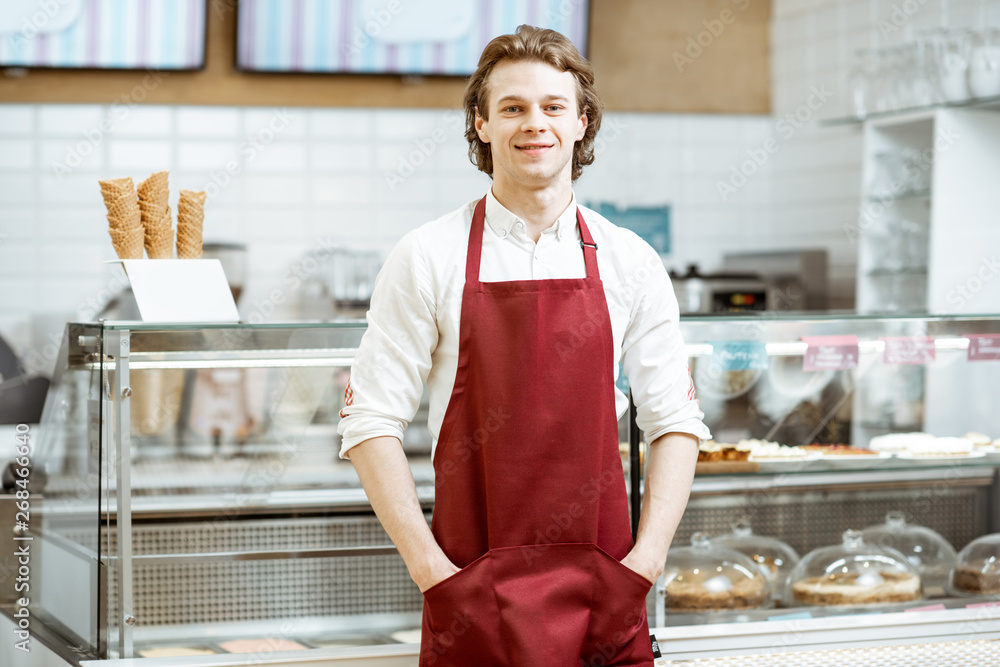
point(386, 477)
point(669, 474)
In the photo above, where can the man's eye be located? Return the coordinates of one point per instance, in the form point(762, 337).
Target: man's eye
point(510, 109)
point(554, 107)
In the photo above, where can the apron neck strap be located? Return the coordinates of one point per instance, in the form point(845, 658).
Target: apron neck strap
point(589, 247)
point(475, 253)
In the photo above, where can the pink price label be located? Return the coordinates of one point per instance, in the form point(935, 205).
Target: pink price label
point(916, 350)
point(978, 605)
point(830, 353)
point(984, 347)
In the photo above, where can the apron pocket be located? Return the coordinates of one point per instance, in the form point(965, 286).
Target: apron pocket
point(640, 582)
point(619, 633)
point(460, 619)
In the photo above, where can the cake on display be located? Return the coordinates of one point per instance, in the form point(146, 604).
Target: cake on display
point(775, 558)
point(900, 442)
point(924, 549)
point(977, 570)
point(853, 573)
point(709, 577)
point(711, 451)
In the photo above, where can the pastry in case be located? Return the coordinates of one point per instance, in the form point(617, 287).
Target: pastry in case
point(709, 577)
point(977, 570)
point(925, 549)
point(775, 558)
point(853, 573)
point(840, 449)
point(711, 451)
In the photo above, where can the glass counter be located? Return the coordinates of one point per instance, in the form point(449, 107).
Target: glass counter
point(188, 491)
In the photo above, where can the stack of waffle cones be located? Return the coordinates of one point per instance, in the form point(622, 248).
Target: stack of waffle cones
point(190, 216)
point(124, 217)
point(156, 218)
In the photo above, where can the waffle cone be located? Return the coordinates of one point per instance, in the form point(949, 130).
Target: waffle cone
point(114, 188)
point(189, 248)
point(160, 238)
point(189, 242)
point(128, 244)
point(155, 188)
point(195, 197)
point(153, 194)
point(192, 251)
point(190, 220)
point(124, 213)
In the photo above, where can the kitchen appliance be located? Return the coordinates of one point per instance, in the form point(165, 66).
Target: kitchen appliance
point(797, 279)
point(780, 280)
point(719, 292)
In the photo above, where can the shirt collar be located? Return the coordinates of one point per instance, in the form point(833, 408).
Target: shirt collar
point(503, 222)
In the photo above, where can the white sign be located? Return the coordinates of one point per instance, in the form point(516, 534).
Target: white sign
point(181, 290)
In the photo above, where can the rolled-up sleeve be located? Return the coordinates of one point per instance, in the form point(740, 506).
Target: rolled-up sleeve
point(655, 361)
point(394, 357)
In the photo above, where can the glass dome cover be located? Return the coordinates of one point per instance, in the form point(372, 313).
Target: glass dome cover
point(852, 573)
point(977, 569)
point(708, 577)
point(925, 549)
point(774, 558)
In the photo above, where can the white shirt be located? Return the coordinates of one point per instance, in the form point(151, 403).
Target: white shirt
point(413, 324)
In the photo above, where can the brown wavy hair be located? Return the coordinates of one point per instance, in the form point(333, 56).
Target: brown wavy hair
point(532, 45)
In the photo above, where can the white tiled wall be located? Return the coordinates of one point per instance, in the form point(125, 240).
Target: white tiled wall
point(280, 179)
point(818, 178)
point(324, 172)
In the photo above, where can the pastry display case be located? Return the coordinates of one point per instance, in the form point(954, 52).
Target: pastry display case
point(977, 568)
point(188, 498)
point(925, 549)
point(853, 573)
point(774, 558)
point(709, 577)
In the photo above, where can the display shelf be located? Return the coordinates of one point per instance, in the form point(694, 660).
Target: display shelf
point(885, 199)
point(908, 114)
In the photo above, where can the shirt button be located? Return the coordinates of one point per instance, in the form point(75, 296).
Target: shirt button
point(520, 224)
point(503, 233)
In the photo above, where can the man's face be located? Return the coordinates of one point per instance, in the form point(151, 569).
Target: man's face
point(533, 124)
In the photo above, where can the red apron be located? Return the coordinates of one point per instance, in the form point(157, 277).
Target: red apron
point(530, 495)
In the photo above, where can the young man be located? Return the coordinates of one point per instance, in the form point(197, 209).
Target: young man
point(516, 310)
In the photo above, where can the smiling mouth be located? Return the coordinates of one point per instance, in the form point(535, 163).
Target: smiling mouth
point(534, 148)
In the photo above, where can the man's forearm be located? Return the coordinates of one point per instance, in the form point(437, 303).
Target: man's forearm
point(669, 474)
point(385, 475)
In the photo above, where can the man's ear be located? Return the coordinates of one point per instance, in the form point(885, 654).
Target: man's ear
point(481, 129)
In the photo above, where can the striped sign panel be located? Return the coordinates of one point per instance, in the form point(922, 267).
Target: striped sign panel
point(390, 36)
point(106, 34)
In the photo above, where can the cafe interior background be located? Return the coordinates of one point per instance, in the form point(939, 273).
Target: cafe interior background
point(762, 142)
point(716, 120)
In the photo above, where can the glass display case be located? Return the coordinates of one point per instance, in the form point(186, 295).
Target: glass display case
point(977, 568)
point(774, 558)
point(925, 549)
point(853, 573)
point(187, 493)
point(709, 577)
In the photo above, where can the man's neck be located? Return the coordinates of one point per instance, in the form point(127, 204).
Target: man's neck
point(538, 208)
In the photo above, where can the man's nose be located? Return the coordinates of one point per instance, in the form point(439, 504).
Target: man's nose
point(534, 120)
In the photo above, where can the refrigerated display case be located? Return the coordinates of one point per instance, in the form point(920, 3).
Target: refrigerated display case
point(187, 495)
